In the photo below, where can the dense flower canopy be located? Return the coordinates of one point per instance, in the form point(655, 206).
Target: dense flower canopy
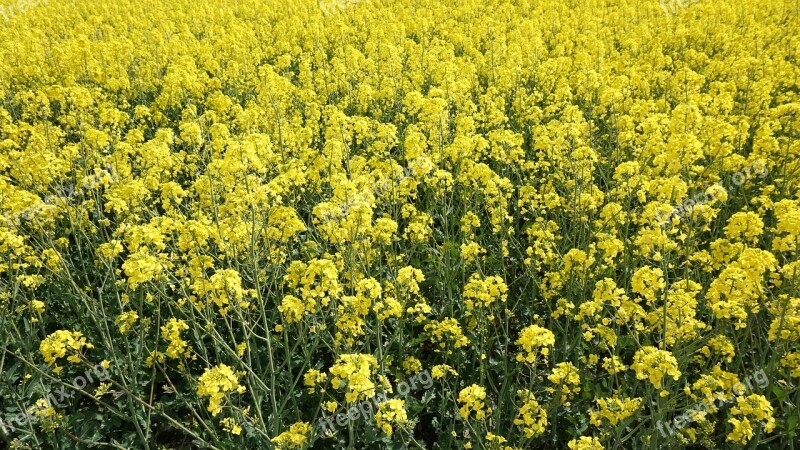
point(439, 224)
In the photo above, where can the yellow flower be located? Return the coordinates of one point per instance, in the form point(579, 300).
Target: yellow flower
point(719, 345)
point(142, 267)
point(229, 424)
point(470, 251)
point(613, 410)
point(746, 226)
point(469, 222)
point(786, 324)
point(791, 361)
point(313, 378)
point(355, 372)
point(565, 375)
point(648, 281)
point(224, 286)
point(292, 309)
point(215, 383)
point(497, 441)
point(295, 437)
point(110, 250)
point(440, 371)
point(755, 407)
point(391, 412)
point(126, 321)
point(742, 431)
point(37, 306)
point(535, 339)
point(63, 343)
point(47, 417)
point(654, 364)
point(531, 417)
point(473, 402)
point(613, 365)
point(412, 365)
point(171, 332)
point(446, 331)
point(482, 292)
point(585, 443)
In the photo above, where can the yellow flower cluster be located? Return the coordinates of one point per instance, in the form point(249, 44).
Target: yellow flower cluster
point(531, 417)
point(314, 378)
point(355, 372)
point(171, 332)
point(567, 379)
point(473, 402)
point(585, 443)
point(215, 383)
point(295, 437)
point(754, 407)
point(612, 410)
point(126, 321)
point(391, 412)
point(482, 292)
point(534, 340)
point(229, 424)
point(653, 364)
point(63, 343)
point(445, 332)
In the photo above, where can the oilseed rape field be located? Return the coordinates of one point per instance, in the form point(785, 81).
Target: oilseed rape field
point(373, 224)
